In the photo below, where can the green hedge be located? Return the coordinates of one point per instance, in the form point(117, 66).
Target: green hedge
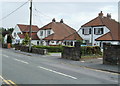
point(90, 50)
point(51, 48)
point(86, 50)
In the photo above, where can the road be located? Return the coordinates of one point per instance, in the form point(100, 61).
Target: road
point(22, 68)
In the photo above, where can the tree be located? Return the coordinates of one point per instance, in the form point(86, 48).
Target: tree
point(26, 39)
point(9, 39)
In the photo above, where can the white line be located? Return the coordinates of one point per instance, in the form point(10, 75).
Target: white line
point(57, 72)
point(82, 61)
point(6, 56)
point(99, 58)
point(1, 77)
point(21, 61)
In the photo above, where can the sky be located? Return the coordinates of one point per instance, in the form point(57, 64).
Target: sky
point(74, 14)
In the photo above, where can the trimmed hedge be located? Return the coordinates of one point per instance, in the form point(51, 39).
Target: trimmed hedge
point(86, 50)
point(90, 50)
point(51, 48)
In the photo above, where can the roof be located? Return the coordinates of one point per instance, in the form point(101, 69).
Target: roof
point(26, 28)
point(34, 36)
point(106, 37)
point(61, 31)
point(111, 24)
point(22, 36)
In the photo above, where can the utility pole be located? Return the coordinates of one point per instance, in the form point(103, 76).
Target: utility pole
point(30, 31)
point(92, 32)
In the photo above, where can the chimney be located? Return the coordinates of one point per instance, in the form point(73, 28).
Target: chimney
point(61, 21)
point(53, 20)
point(109, 15)
point(100, 14)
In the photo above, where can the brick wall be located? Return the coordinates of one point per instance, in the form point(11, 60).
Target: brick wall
point(111, 54)
point(72, 53)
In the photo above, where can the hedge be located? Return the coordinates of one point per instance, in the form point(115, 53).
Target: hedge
point(90, 50)
point(51, 48)
point(86, 50)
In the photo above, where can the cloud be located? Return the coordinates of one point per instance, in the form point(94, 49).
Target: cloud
point(74, 14)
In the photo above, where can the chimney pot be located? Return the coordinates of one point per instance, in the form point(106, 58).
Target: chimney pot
point(53, 20)
point(61, 21)
point(100, 14)
point(109, 15)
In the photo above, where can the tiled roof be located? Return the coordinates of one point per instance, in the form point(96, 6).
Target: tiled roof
point(22, 36)
point(34, 36)
point(111, 24)
point(61, 31)
point(106, 37)
point(26, 28)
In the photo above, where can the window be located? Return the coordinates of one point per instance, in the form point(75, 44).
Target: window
point(98, 31)
point(48, 32)
point(19, 33)
point(86, 41)
point(14, 34)
point(86, 31)
point(41, 33)
point(65, 43)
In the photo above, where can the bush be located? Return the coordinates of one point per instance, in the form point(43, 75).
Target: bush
point(91, 50)
point(86, 50)
point(51, 48)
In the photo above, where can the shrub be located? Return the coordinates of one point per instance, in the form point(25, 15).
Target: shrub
point(51, 48)
point(90, 50)
point(9, 39)
point(85, 50)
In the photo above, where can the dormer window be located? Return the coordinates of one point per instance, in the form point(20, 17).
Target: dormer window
point(98, 31)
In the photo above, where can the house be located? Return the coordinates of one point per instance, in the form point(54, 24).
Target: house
point(6, 36)
point(58, 33)
point(99, 30)
point(20, 31)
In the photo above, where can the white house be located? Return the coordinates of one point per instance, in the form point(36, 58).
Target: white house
point(58, 33)
point(100, 29)
point(20, 30)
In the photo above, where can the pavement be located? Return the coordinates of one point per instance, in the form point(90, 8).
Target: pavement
point(96, 63)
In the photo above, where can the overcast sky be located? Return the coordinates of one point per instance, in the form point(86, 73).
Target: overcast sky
point(74, 14)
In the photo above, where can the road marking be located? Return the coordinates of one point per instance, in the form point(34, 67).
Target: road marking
point(82, 61)
point(7, 82)
point(12, 82)
point(1, 77)
point(6, 56)
point(57, 72)
point(21, 61)
point(85, 67)
point(99, 58)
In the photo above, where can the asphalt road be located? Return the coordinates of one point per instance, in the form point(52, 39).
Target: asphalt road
point(21, 68)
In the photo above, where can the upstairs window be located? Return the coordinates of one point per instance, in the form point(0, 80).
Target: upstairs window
point(14, 34)
point(41, 33)
point(98, 31)
point(48, 32)
point(86, 31)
